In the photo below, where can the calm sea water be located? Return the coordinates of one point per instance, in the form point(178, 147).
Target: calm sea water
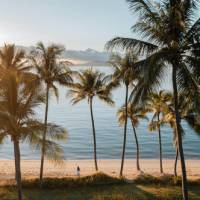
point(76, 119)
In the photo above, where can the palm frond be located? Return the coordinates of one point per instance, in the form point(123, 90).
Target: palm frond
point(130, 44)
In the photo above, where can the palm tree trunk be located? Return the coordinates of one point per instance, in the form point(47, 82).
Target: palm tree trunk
point(137, 148)
point(175, 163)
point(179, 135)
point(44, 135)
point(17, 168)
point(125, 130)
point(94, 135)
point(160, 144)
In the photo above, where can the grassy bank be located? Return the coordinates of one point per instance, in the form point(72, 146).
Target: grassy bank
point(102, 187)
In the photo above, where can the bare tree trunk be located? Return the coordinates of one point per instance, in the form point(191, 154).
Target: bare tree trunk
point(137, 148)
point(175, 163)
point(160, 145)
point(94, 135)
point(179, 135)
point(17, 168)
point(125, 130)
point(44, 136)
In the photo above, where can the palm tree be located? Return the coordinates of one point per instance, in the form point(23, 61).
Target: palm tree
point(185, 111)
point(50, 70)
point(90, 84)
point(17, 104)
point(169, 118)
point(172, 39)
point(17, 100)
point(134, 114)
point(124, 72)
point(158, 102)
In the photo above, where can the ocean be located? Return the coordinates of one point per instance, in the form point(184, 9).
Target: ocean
point(76, 119)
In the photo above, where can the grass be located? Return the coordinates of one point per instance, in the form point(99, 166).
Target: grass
point(102, 187)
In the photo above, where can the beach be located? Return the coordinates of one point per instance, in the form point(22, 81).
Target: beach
point(30, 168)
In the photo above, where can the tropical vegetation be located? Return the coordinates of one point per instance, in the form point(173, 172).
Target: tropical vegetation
point(171, 38)
point(20, 95)
point(170, 45)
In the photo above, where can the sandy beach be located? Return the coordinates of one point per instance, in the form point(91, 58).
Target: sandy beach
point(30, 168)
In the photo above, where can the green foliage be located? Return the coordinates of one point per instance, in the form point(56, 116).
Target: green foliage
point(158, 103)
point(49, 68)
point(88, 84)
point(135, 113)
point(170, 33)
point(17, 104)
point(124, 69)
point(54, 134)
point(101, 187)
point(162, 180)
point(101, 179)
point(193, 119)
point(93, 180)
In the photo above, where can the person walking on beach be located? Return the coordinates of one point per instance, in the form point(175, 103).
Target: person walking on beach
point(78, 170)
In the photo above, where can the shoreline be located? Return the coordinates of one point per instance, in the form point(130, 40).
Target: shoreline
point(30, 168)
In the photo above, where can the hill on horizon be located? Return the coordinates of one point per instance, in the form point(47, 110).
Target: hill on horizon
point(88, 57)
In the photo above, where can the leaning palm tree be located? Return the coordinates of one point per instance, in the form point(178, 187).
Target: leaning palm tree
point(171, 40)
point(134, 114)
point(50, 70)
point(158, 102)
point(124, 72)
point(89, 84)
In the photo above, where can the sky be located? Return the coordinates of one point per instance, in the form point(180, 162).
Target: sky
point(77, 24)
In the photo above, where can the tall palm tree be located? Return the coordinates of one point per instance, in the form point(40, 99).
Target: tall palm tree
point(15, 82)
point(124, 72)
point(172, 39)
point(18, 101)
point(169, 118)
point(89, 84)
point(50, 70)
point(134, 114)
point(17, 104)
point(158, 102)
